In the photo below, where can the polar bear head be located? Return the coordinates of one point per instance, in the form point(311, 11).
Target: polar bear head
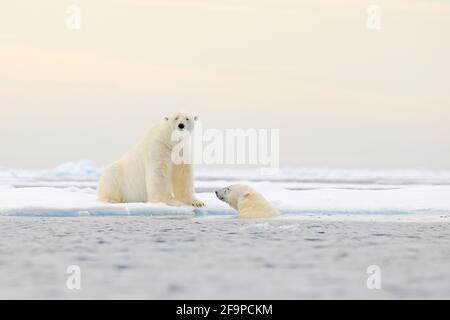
point(234, 193)
point(181, 122)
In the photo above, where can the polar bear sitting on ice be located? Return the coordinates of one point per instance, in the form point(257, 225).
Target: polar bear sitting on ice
point(147, 173)
point(248, 202)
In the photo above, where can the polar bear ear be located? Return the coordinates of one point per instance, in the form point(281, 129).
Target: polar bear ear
point(195, 118)
point(242, 198)
point(166, 118)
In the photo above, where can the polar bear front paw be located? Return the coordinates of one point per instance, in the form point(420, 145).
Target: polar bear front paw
point(196, 203)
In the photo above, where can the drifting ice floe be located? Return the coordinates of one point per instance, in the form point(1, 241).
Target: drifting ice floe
point(75, 201)
point(69, 190)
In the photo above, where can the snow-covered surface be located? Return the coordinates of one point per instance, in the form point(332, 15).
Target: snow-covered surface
point(87, 170)
point(75, 202)
point(69, 190)
point(83, 169)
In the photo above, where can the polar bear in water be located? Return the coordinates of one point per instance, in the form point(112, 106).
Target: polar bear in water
point(248, 202)
point(147, 173)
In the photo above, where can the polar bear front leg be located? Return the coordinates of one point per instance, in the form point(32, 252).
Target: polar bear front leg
point(183, 185)
point(159, 186)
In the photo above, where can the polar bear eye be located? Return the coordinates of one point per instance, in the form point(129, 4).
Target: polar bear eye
point(176, 118)
point(187, 119)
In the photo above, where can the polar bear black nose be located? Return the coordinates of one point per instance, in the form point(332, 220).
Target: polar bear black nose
point(181, 126)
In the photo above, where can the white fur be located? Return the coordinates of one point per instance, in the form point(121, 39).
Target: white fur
point(248, 202)
point(147, 174)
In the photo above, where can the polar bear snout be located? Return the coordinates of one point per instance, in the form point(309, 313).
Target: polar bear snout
point(181, 126)
point(219, 196)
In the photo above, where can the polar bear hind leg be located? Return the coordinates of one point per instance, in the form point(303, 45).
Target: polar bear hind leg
point(109, 189)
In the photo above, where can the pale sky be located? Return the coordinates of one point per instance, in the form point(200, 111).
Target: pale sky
point(342, 95)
